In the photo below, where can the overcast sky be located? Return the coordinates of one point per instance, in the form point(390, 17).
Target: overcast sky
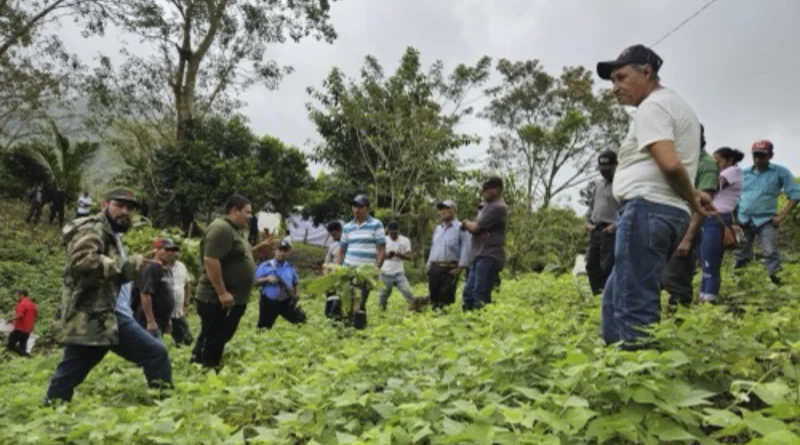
point(736, 63)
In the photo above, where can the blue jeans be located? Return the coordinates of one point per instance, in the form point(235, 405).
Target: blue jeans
point(711, 253)
point(647, 234)
point(135, 344)
point(483, 277)
point(389, 283)
point(768, 235)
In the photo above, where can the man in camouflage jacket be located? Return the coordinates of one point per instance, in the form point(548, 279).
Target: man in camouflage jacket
point(95, 302)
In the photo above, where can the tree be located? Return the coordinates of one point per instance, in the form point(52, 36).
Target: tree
point(63, 162)
point(550, 128)
point(20, 20)
point(201, 48)
point(36, 72)
point(194, 178)
point(395, 134)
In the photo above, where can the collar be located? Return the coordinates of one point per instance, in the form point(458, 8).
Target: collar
point(355, 221)
point(448, 224)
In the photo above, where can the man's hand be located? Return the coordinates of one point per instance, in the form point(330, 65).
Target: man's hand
point(610, 229)
point(457, 271)
point(391, 255)
point(226, 300)
point(152, 327)
point(272, 279)
point(169, 327)
point(269, 241)
point(777, 220)
point(590, 227)
point(683, 248)
point(703, 204)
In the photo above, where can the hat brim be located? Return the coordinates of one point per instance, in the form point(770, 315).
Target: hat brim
point(604, 69)
point(359, 203)
point(442, 205)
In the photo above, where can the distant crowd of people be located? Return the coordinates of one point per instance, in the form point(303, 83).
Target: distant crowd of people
point(125, 303)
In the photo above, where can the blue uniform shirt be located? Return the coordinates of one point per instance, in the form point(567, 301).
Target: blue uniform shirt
point(281, 269)
point(760, 191)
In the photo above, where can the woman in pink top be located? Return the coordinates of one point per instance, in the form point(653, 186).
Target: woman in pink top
point(729, 190)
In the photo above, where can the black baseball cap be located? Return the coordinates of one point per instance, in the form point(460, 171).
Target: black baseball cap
point(361, 200)
point(394, 225)
point(636, 54)
point(285, 245)
point(494, 182)
point(607, 159)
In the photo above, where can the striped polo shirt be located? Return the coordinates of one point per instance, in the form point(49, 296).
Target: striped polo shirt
point(360, 241)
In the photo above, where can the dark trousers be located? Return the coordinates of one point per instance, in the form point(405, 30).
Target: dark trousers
point(57, 211)
point(217, 327)
point(599, 258)
point(135, 345)
point(181, 332)
point(270, 310)
point(484, 276)
point(34, 213)
point(18, 342)
point(442, 285)
point(678, 274)
point(335, 311)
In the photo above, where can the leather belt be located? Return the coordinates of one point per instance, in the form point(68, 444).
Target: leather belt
point(452, 264)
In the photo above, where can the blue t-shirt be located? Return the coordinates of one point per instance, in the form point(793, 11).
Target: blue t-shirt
point(280, 269)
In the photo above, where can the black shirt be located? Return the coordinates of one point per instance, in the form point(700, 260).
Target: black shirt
point(155, 280)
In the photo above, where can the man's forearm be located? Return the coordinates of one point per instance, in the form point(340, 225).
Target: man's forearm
point(381, 256)
point(694, 226)
point(787, 208)
point(679, 180)
point(340, 256)
point(147, 307)
point(214, 271)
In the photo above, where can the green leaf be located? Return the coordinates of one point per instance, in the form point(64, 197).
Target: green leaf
point(668, 430)
point(772, 393)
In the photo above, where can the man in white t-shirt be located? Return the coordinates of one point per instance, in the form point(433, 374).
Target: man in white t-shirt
point(182, 293)
point(653, 184)
point(84, 206)
point(393, 273)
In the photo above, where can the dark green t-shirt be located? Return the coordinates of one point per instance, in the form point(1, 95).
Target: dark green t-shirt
point(229, 244)
point(707, 173)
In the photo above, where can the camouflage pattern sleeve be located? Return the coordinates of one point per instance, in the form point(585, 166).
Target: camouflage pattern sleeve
point(85, 257)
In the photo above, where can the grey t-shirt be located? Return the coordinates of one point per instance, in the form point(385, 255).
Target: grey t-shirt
point(491, 242)
point(605, 207)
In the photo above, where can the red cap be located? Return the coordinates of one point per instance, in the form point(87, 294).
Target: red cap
point(763, 146)
point(158, 243)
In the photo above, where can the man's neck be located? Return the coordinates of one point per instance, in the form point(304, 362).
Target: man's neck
point(447, 222)
point(763, 168)
point(361, 220)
